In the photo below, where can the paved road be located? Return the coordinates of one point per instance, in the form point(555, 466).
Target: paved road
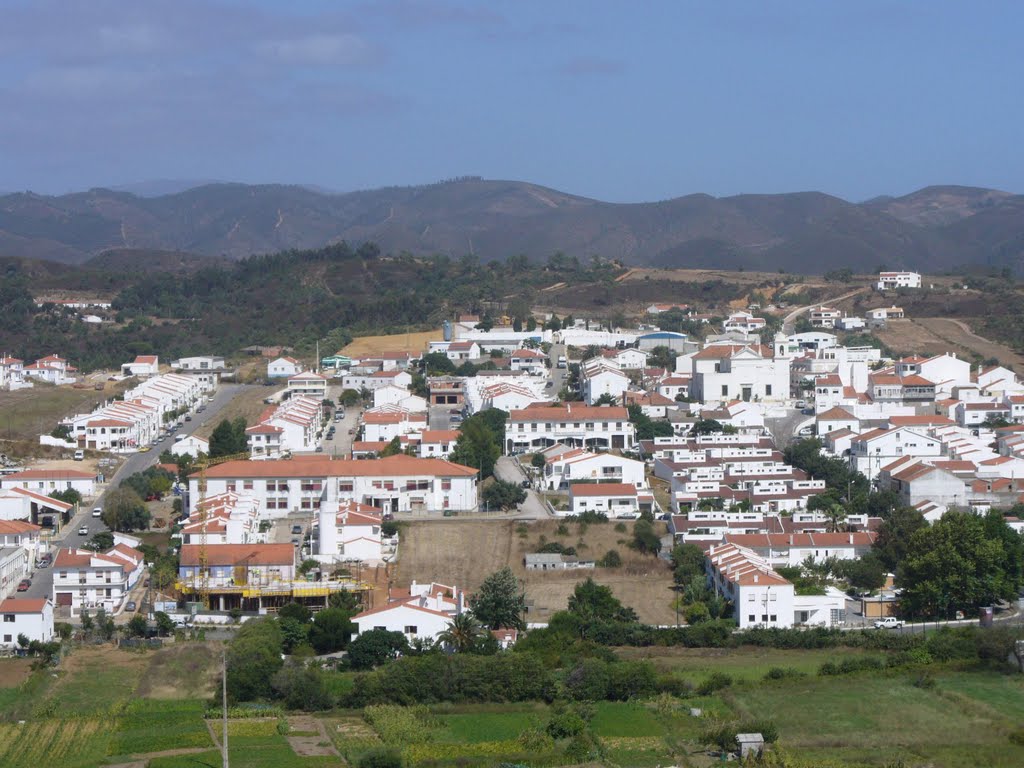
point(784, 428)
point(508, 470)
point(42, 579)
point(558, 375)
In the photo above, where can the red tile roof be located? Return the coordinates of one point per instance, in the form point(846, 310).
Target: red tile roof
point(23, 605)
point(240, 554)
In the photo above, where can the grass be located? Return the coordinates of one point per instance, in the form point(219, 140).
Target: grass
point(247, 752)
point(625, 719)
point(29, 412)
point(152, 726)
point(485, 726)
point(885, 718)
point(744, 664)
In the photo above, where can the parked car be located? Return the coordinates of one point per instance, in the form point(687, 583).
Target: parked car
point(130, 606)
point(83, 531)
point(188, 417)
point(97, 511)
point(24, 584)
point(889, 622)
point(806, 431)
point(79, 455)
point(296, 529)
point(801, 404)
point(525, 483)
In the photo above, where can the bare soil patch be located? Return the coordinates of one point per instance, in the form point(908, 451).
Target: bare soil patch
point(14, 671)
point(465, 552)
point(247, 403)
point(310, 746)
point(936, 335)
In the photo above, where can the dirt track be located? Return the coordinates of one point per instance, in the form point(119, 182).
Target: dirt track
point(936, 335)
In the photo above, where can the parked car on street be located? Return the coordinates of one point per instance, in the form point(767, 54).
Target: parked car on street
point(83, 531)
point(24, 584)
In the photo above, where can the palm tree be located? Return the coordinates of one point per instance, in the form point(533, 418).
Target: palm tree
point(835, 517)
point(462, 633)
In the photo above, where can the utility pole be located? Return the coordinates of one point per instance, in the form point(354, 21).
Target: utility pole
point(224, 703)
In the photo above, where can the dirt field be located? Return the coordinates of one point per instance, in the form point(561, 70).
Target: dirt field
point(14, 671)
point(464, 552)
point(404, 342)
point(181, 671)
point(935, 335)
point(695, 275)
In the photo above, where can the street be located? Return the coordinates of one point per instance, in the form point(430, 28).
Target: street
point(42, 578)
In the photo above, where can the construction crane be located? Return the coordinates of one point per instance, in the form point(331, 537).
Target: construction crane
point(204, 463)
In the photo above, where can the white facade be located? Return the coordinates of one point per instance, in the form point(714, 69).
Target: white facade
point(142, 366)
point(599, 377)
point(83, 579)
point(422, 614)
point(46, 481)
point(199, 363)
point(738, 372)
point(32, 618)
point(892, 280)
point(394, 484)
point(191, 446)
point(578, 465)
point(283, 368)
point(596, 427)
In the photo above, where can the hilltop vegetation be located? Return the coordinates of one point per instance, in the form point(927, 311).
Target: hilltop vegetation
point(932, 229)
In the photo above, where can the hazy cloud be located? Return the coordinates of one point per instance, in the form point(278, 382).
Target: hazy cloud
point(319, 49)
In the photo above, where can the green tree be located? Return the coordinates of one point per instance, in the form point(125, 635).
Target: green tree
point(228, 438)
point(895, 534)
point(254, 656)
point(591, 601)
point(503, 495)
point(662, 357)
point(645, 538)
point(331, 630)
point(864, 573)
point(479, 443)
point(646, 428)
point(137, 626)
point(606, 398)
point(499, 603)
point(164, 623)
point(437, 364)
point(375, 647)
point(955, 565)
point(687, 563)
point(100, 541)
point(68, 496)
point(392, 448)
point(123, 510)
point(293, 633)
point(303, 687)
point(349, 398)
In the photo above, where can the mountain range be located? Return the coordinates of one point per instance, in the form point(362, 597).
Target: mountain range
point(934, 229)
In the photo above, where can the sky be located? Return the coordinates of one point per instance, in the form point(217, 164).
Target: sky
point(620, 101)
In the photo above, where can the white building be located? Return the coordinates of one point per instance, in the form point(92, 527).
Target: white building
point(825, 317)
point(611, 499)
point(308, 383)
point(292, 426)
point(576, 465)
point(400, 397)
point(628, 358)
point(83, 579)
point(46, 481)
point(262, 566)
point(142, 366)
point(600, 377)
point(424, 613)
point(32, 618)
point(529, 360)
point(52, 369)
point(725, 372)
point(437, 443)
point(744, 322)
point(283, 368)
point(191, 446)
point(381, 425)
point(199, 363)
point(762, 598)
point(872, 450)
point(393, 484)
point(888, 281)
point(576, 425)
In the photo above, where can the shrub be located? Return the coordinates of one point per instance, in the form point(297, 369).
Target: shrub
point(565, 724)
point(1017, 737)
point(611, 559)
point(400, 725)
point(588, 680)
point(620, 527)
point(924, 680)
point(716, 681)
point(783, 673)
point(676, 686)
point(381, 758)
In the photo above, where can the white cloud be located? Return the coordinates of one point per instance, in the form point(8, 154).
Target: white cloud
point(319, 49)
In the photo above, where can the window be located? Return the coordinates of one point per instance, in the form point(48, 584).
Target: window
point(774, 618)
point(345, 486)
point(7, 638)
point(8, 617)
point(446, 484)
point(410, 629)
point(381, 628)
point(725, 390)
point(750, 597)
point(764, 618)
point(751, 618)
point(767, 390)
point(247, 485)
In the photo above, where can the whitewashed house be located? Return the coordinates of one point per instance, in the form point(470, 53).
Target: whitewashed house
point(32, 618)
point(422, 614)
point(191, 446)
point(283, 368)
point(143, 366)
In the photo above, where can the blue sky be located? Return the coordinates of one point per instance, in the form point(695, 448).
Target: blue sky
point(622, 101)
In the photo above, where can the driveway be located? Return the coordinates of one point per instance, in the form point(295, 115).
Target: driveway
point(789, 322)
point(507, 469)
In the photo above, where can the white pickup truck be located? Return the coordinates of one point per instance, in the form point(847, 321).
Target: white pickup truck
point(889, 622)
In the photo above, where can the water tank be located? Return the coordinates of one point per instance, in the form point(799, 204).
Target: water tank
point(446, 329)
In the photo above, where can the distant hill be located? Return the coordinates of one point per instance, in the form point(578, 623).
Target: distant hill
point(934, 229)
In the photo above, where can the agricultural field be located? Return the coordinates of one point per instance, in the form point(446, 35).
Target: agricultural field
point(399, 342)
point(465, 552)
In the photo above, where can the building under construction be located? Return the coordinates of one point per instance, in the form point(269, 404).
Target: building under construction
point(255, 577)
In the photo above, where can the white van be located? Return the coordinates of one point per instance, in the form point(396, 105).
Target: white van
point(79, 455)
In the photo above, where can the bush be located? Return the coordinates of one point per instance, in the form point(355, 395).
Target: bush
point(676, 686)
point(588, 680)
point(783, 673)
point(716, 681)
point(565, 725)
point(380, 758)
point(1017, 737)
point(611, 559)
